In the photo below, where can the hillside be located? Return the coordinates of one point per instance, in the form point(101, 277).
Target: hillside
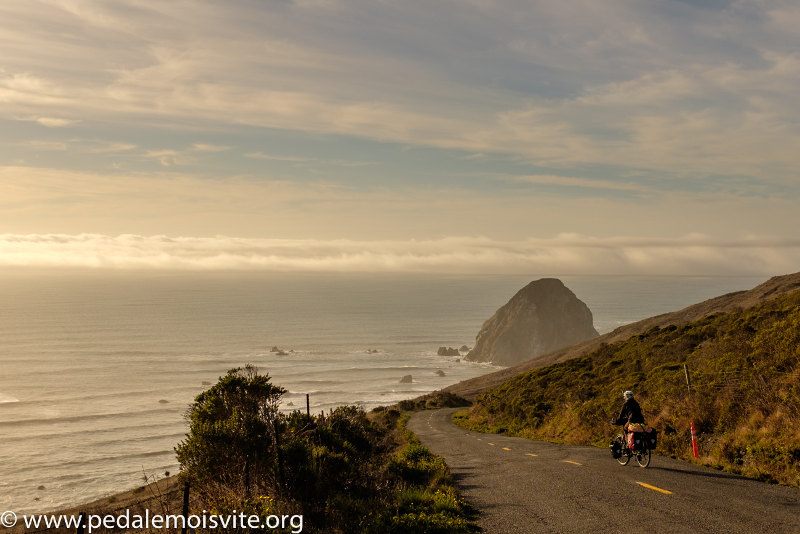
point(744, 369)
point(772, 288)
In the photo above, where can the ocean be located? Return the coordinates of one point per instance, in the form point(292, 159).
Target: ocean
point(98, 368)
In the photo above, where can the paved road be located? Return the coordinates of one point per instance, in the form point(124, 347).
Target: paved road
point(524, 486)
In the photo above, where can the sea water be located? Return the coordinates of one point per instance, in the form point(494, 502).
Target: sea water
point(97, 369)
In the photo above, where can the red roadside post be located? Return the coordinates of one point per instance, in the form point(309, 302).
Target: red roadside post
point(688, 396)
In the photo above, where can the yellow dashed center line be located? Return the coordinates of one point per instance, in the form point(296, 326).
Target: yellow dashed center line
point(492, 444)
point(531, 454)
point(570, 462)
point(648, 486)
point(506, 449)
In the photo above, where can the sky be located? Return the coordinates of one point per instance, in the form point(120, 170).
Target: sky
point(475, 136)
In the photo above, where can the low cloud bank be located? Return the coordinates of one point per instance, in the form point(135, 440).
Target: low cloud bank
point(563, 254)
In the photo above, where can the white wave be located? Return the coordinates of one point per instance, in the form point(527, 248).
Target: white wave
point(4, 398)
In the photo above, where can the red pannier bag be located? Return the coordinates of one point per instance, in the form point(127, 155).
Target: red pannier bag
point(641, 437)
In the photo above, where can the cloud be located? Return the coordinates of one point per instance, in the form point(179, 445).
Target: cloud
point(170, 157)
point(307, 160)
point(54, 122)
point(206, 147)
point(267, 204)
point(40, 145)
point(28, 89)
point(563, 254)
point(674, 90)
point(55, 199)
point(51, 122)
point(585, 183)
point(271, 157)
point(690, 119)
point(625, 118)
point(105, 147)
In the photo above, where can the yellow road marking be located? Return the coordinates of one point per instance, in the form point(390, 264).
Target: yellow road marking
point(570, 462)
point(648, 486)
point(531, 454)
point(492, 444)
point(506, 449)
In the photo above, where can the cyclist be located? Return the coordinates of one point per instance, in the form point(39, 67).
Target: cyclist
point(631, 412)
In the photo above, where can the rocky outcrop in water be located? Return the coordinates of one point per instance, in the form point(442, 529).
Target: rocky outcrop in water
point(542, 317)
point(448, 351)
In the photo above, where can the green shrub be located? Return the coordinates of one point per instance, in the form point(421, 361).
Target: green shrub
point(344, 471)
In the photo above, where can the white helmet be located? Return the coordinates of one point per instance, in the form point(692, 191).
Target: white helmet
point(628, 394)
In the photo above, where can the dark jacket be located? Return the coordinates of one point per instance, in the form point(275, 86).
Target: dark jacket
point(630, 413)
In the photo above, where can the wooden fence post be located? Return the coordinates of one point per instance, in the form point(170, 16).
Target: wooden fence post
point(185, 510)
point(279, 455)
point(686, 372)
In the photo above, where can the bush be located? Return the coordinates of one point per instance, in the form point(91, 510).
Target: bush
point(343, 471)
point(229, 449)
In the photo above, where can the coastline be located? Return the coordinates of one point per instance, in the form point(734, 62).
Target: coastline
point(217, 359)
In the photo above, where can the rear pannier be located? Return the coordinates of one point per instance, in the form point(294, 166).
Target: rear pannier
point(652, 438)
point(641, 437)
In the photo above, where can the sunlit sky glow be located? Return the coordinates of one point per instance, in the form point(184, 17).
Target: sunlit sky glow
point(456, 136)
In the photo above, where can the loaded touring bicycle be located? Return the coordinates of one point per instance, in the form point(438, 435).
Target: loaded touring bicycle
point(637, 441)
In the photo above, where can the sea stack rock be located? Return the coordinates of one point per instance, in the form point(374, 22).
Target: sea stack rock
point(542, 317)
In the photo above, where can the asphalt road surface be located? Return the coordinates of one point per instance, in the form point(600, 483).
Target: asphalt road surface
point(523, 486)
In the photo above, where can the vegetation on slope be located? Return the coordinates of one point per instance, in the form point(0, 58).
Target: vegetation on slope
point(344, 472)
point(744, 370)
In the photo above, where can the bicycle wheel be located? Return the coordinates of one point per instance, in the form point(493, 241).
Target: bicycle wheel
point(643, 458)
point(626, 455)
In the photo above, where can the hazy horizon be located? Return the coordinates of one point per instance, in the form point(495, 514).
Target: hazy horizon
point(331, 135)
point(562, 256)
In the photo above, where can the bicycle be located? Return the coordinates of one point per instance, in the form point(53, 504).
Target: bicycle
point(644, 441)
